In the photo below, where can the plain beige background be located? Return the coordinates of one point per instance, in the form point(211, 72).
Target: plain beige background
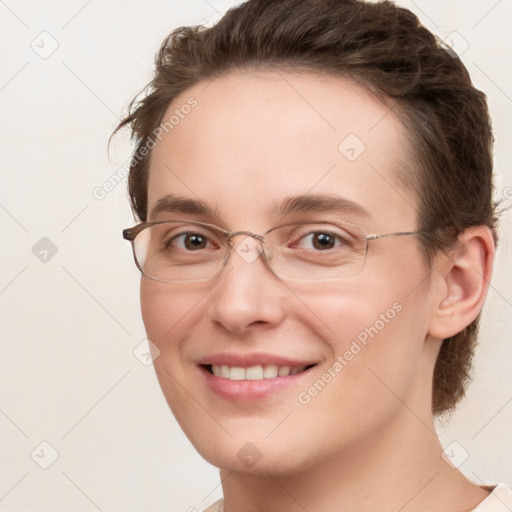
point(77, 394)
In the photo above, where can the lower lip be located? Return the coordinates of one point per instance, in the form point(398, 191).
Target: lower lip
point(249, 390)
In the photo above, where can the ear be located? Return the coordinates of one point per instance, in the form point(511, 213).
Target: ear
point(461, 280)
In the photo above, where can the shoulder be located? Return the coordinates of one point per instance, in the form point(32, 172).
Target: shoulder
point(500, 499)
point(218, 506)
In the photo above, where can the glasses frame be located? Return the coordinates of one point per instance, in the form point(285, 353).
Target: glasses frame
point(130, 234)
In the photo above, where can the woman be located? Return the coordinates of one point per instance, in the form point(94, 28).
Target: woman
point(314, 185)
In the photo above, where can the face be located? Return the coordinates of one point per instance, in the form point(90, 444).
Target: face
point(253, 141)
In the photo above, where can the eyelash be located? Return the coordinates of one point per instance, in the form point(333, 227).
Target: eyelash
point(168, 243)
point(316, 233)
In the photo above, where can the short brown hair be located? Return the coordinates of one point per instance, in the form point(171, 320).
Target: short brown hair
point(388, 51)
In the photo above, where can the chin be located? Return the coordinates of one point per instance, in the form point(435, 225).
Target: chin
point(281, 456)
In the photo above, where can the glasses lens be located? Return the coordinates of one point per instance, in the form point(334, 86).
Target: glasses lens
point(316, 251)
point(178, 251)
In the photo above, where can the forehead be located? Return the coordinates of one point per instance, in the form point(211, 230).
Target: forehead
point(268, 135)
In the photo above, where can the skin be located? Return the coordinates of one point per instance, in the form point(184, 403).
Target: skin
point(366, 442)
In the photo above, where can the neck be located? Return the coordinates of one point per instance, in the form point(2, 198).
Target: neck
point(401, 469)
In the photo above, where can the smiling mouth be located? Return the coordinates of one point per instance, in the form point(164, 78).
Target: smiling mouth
point(257, 372)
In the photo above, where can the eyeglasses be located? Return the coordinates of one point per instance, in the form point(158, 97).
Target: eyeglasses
point(189, 251)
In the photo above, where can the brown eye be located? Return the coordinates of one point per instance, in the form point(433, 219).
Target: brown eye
point(190, 242)
point(195, 241)
point(323, 241)
point(320, 241)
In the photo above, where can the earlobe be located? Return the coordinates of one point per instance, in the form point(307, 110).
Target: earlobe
point(463, 276)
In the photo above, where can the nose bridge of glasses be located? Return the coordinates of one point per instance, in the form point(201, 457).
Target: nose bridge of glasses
point(257, 237)
point(249, 248)
point(245, 245)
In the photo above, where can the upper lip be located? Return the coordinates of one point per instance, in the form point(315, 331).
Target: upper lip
point(248, 360)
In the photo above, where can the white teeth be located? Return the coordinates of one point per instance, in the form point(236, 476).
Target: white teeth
point(270, 371)
point(283, 371)
point(254, 373)
point(237, 373)
point(258, 372)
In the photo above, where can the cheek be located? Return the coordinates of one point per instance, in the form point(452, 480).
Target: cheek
point(169, 314)
point(376, 333)
point(167, 310)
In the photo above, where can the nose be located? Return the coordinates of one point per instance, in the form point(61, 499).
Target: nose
point(247, 295)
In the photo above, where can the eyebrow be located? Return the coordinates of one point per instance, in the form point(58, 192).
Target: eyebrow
point(172, 203)
point(318, 203)
point(290, 205)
